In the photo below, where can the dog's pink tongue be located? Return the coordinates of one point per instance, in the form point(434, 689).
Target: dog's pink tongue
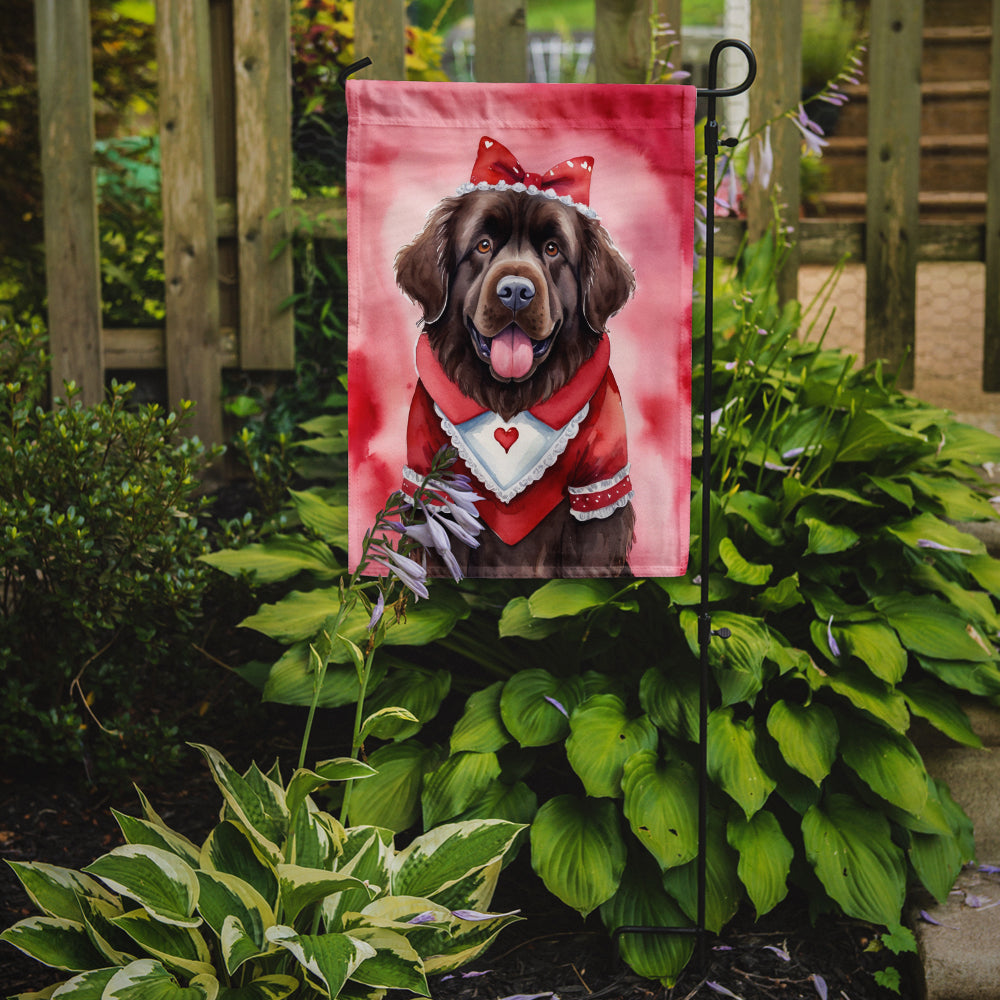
point(510, 353)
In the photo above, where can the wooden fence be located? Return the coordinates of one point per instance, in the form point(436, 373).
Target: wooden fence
point(226, 160)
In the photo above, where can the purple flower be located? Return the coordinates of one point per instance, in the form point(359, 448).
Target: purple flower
point(834, 648)
point(558, 705)
point(719, 988)
point(475, 915)
point(820, 983)
point(761, 162)
point(377, 611)
point(411, 573)
point(780, 952)
point(927, 543)
point(427, 917)
point(811, 132)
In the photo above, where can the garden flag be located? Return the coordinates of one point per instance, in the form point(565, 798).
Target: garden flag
point(520, 275)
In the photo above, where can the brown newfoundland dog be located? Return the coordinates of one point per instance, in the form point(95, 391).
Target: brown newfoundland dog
point(516, 283)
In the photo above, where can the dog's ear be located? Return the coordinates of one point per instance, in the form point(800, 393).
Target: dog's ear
point(422, 266)
point(607, 279)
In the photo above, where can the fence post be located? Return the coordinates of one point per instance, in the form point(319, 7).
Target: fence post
point(380, 34)
point(190, 251)
point(621, 40)
point(72, 255)
point(991, 333)
point(892, 214)
point(262, 62)
point(776, 34)
point(501, 41)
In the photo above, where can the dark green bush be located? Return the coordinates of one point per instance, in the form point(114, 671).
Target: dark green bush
point(100, 587)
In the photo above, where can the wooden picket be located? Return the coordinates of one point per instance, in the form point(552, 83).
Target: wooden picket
point(226, 161)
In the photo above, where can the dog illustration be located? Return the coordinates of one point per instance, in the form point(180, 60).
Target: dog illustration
point(516, 280)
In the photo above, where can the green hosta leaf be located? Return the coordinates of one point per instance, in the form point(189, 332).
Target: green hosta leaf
point(931, 628)
point(928, 528)
point(275, 987)
point(418, 691)
point(957, 501)
point(391, 798)
point(330, 959)
point(732, 760)
point(56, 891)
point(516, 803)
point(683, 592)
point(941, 709)
point(870, 435)
point(517, 620)
point(866, 692)
point(226, 898)
point(456, 784)
point(723, 889)
point(976, 678)
point(965, 443)
point(827, 539)
point(304, 782)
point(327, 520)
point(279, 558)
point(530, 706)
point(578, 851)
point(641, 901)
point(387, 723)
point(661, 799)
point(602, 738)
point(230, 849)
point(438, 859)
point(147, 979)
point(752, 574)
point(850, 847)
point(975, 605)
point(141, 831)
point(260, 809)
point(765, 858)
point(54, 941)
point(783, 595)
point(180, 948)
point(301, 887)
point(876, 646)
point(559, 598)
point(738, 661)
point(671, 700)
point(291, 680)
point(481, 728)
point(937, 860)
point(758, 511)
point(986, 572)
point(888, 763)
point(159, 881)
point(893, 488)
point(395, 964)
point(807, 736)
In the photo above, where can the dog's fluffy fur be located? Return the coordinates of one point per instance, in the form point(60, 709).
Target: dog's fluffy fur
point(453, 270)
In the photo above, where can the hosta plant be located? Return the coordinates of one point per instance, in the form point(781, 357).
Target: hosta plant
point(279, 900)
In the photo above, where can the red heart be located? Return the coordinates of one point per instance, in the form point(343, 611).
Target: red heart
point(505, 436)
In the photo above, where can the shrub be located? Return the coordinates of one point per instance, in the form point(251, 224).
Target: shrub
point(99, 540)
point(280, 899)
point(855, 601)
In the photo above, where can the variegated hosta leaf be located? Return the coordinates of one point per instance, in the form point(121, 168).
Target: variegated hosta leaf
point(56, 891)
point(850, 847)
point(661, 805)
point(329, 959)
point(256, 801)
point(367, 853)
point(158, 880)
point(723, 889)
point(807, 736)
point(230, 849)
point(416, 690)
point(86, 986)
point(301, 887)
point(535, 706)
point(98, 915)
point(602, 737)
point(54, 941)
point(391, 799)
point(149, 980)
point(642, 902)
point(441, 857)
point(481, 727)
point(274, 987)
point(732, 760)
point(225, 897)
point(466, 941)
point(578, 851)
point(177, 947)
point(888, 763)
point(476, 890)
point(395, 964)
point(141, 831)
point(456, 784)
point(765, 858)
point(304, 782)
point(315, 838)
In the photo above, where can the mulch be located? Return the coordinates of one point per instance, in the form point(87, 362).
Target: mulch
point(56, 819)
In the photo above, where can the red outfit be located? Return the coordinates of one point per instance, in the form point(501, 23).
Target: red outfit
point(572, 444)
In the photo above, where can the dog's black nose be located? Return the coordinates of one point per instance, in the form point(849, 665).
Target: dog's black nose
point(515, 292)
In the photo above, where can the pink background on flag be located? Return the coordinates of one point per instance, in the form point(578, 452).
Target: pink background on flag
point(412, 144)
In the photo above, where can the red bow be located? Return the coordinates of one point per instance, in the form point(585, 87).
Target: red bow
point(495, 163)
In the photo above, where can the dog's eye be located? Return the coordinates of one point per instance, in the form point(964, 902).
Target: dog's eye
point(484, 246)
point(551, 249)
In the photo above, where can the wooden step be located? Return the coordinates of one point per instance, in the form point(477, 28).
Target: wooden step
point(958, 206)
point(945, 12)
point(956, 53)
